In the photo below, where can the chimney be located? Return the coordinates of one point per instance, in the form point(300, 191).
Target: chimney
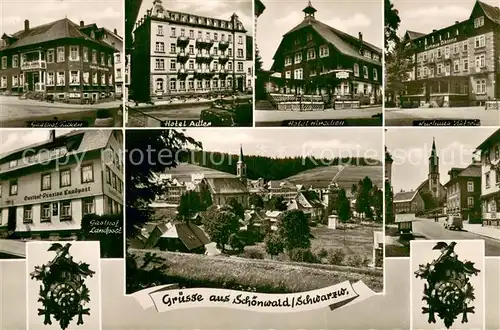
point(26, 25)
point(360, 35)
point(434, 30)
point(456, 22)
point(52, 135)
point(82, 23)
point(115, 31)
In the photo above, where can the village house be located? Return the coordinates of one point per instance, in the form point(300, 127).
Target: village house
point(46, 188)
point(408, 202)
point(463, 191)
point(309, 202)
point(282, 188)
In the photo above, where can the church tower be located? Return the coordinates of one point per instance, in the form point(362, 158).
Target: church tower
point(434, 171)
point(309, 10)
point(241, 167)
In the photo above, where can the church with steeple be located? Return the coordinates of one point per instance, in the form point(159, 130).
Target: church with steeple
point(433, 184)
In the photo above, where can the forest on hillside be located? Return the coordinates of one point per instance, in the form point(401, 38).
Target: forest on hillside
point(266, 167)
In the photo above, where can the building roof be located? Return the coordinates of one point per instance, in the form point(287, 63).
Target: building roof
point(226, 185)
point(189, 234)
point(341, 40)
point(471, 171)
point(280, 184)
point(312, 198)
point(492, 12)
point(490, 141)
point(60, 29)
point(414, 35)
point(406, 196)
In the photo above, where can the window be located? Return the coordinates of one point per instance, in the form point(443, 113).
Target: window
point(60, 54)
point(447, 51)
point(66, 210)
point(117, 58)
point(15, 81)
point(470, 186)
point(288, 60)
point(479, 41)
point(73, 53)
point(455, 48)
point(160, 64)
point(65, 178)
point(288, 74)
point(88, 205)
point(439, 52)
point(86, 78)
point(15, 61)
point(298, 57)
point(159, 30)
point(480, 61)
point(487, 179)
point(74, 77)
point(173, 48)
point(182, 85)
point(13, 188)
point(470, 201)
point(356, 69)
point(481, 86)
point(323, 51)
point(103, 79)
point(4, 62)
point(94, 56)
point(61, 79)
point(160, 47)
point(50, 56)
point(173, 86)
point(27, 214)
point(478, 22)
point(375, 74)
point(229, 38)
point(240, 66)
point(191, 49)
point(4, 82)
point(240, 40)
point(85, 54)
point(173, 65)
point(311, 54)
point(103, 59)
point(456, 65)
point(172, 32)
point(46, 181)
point(298, 74)
point(425, 71)
point(45, 212)
point(118, 73)
point(440, 68)
point(191, 34)
point(94, 78)
point(113, 181)
point(365, 72)
point(159, 87)
point(466, 64)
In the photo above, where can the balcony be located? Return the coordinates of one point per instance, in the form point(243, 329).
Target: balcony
point(182, 72)
point(182, 41)
point(223, 72)
point(223, 45)
point(204, 43)
point(182, 57)
point(223, 59)
point(34, 65)
point(204, 58)
point(483, 69)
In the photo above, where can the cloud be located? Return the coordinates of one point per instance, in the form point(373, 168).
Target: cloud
point(293, 18)
point(13, 140)
point(435, 13)
point(350, 24)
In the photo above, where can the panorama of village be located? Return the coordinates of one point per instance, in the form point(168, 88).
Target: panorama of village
point(253, 218)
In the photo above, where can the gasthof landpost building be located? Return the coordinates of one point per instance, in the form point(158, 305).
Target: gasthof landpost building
point(59, 60)
point(183, 54)
point(47, 188)
point(314, 58)
point(458, 65)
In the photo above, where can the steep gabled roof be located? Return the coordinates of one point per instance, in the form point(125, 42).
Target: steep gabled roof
point(413, 34)
point(493, 13)
point(189, 234)
point(226, 186)
point(406, 196)
point(491, 140)
point(473, 170)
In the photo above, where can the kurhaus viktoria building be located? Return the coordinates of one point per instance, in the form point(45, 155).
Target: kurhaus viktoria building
point(60, 60)
point(457, 65)
point(315, 58)
point(46, 188)
point(185, 54)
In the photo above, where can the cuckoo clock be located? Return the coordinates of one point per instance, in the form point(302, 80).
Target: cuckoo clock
point(63, 292)
point(448, 292)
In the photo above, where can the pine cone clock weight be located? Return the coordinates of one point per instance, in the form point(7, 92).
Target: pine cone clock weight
point(63, 292)
point(448, 291)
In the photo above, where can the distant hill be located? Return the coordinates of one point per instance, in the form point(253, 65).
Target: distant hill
point(321, 177)
point(183, 171)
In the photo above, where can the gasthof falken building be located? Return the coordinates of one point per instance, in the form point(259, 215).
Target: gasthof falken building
point(458, 65)
point(183, 54)
point(46, 188)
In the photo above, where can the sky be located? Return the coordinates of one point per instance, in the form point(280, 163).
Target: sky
point(14, 139)
point(105, 13)
point(354, 16)
point(209, 8)
point(424, 16)
point(411, 149)
point(277, 142)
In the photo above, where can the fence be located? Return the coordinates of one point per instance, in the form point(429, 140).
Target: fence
point(492, 105)
point(300, 106)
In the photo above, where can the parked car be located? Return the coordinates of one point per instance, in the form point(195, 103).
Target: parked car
point(454, 222)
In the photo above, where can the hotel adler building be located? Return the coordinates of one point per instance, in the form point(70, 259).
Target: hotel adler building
point(46, 188)
point(181, 54)
point(314, 58)
point(59, 60)
point(459, 64)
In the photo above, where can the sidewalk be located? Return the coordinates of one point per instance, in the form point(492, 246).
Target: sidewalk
point(483, 231)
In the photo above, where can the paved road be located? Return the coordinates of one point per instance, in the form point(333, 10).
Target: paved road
point(435, 230)
point(405, 117)
point(275, 117)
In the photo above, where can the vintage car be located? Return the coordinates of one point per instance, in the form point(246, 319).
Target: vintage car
point(454, 222)
point(404, 222)
point(225, 112)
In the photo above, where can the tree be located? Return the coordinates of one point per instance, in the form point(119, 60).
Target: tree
point(294, 230)
point(363, 197)
point(378, 202)
point(220, 224)
point(343, 206)
point(236, 208)
point(274, 244)
point(398, 64)
point(148, 152)
point(189, 205)
point(236, 242)
point(205, 197)
point(256, 201)
point(276, 203)
point(354, 189)
point(392, 21)
point(389, 196)
point(429, 201)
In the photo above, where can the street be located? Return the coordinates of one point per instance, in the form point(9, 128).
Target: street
point(405, 117)
point(15, 112)
point(360, 117)
point(430, 230)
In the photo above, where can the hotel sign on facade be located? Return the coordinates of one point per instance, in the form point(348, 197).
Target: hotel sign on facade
point(441, 43)
point(62, 194)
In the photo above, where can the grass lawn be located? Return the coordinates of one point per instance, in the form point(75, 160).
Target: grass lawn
point(265, 276)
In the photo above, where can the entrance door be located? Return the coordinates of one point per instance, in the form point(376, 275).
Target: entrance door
point(11, 219)
point(241, 84)
point(29, 81)
point(36, 80)
point(94, 97)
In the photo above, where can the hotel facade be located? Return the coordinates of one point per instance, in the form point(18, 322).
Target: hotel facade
point(46, 188)
point(180, 54)
point(457, 65)
point(58, 61)
point(490, 179)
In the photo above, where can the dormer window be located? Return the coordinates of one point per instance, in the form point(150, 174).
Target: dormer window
point(478, 22)
point(230, 26)
point(92, 34)
point(209, 22)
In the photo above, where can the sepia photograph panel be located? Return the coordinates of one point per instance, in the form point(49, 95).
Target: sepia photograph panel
point(318, 63)
point(442, 184)
point(191, 63)
point(61, 64)
point(61, 185)
point(442, 63)
point(268, 211)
